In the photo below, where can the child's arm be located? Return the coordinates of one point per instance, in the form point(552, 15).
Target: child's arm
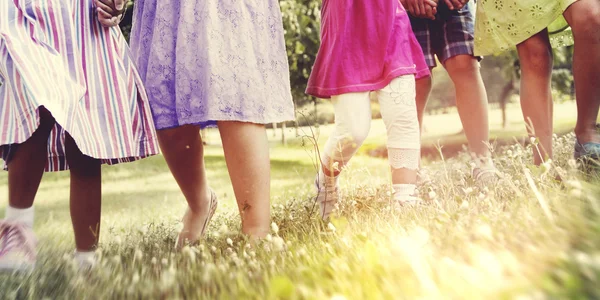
point(456, 4)
point(421, 8)
point(110, 12)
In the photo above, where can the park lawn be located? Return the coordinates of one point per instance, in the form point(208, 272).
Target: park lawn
point(527, 236)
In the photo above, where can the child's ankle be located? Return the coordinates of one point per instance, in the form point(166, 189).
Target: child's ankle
point(332, 174)
point(21, 215)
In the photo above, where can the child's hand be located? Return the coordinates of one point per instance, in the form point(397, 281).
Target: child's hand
point(421, 8)
point(456, 4)
point(110, 12)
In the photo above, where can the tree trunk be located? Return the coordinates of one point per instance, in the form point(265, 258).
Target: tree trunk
point(506, 92)
point(274, 130)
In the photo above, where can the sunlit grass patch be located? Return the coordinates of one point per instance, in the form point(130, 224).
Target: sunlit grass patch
point(464, 242)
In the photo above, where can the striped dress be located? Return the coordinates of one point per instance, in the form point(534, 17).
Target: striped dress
point(55, 54)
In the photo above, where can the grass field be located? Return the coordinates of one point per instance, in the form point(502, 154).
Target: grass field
point(441, 129)
point(527, 237)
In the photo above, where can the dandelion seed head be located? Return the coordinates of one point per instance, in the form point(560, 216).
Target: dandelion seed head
point(136, 278)
point(432, 194)
point(278, 244)
point(138, 255)
point(331, 227)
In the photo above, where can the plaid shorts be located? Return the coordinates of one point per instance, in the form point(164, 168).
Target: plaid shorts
point(449, 35)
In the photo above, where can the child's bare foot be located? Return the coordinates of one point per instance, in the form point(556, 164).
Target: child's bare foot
point(195, 224)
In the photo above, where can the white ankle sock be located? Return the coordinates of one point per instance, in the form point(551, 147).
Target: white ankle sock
point(85, 258)
point(23, 215)
point(404, 192)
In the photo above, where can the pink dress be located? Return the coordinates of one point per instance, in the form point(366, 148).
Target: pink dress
point(364, 46)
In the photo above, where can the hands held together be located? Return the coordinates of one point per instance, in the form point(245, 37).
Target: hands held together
point(111, 12)
point(428, 8)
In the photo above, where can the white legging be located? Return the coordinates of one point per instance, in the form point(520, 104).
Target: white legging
point(353, 122)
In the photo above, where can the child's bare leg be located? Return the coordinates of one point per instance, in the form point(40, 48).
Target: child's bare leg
point(471, 101)
point(26, 167)
point(183, 150)
point(584, 18)
point(25, 171)
point(535, 55)
point(86, 196)
point(247, 156)
point(423, 88)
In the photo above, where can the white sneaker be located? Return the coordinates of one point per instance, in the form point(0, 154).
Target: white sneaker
point(485, 175)
point(328, 195)
point(410, 201)
point(85, 262)
point(17, 247)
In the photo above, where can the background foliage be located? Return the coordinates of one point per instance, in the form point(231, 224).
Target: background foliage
point(301, 21)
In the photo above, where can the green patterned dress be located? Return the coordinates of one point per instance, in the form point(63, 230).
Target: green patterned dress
point(502, 24)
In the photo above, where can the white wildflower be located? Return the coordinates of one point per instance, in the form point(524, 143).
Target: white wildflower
point(576, 193)
point(278, 244)
point(138, 255)
point(572, 163)
point(274, 228)
point(432, 194)
point(331, 227)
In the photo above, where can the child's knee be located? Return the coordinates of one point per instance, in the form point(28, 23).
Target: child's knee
point(462, 65)
point(535, 56)
point(360, 133)
point(586, 23)
point(177, 138)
